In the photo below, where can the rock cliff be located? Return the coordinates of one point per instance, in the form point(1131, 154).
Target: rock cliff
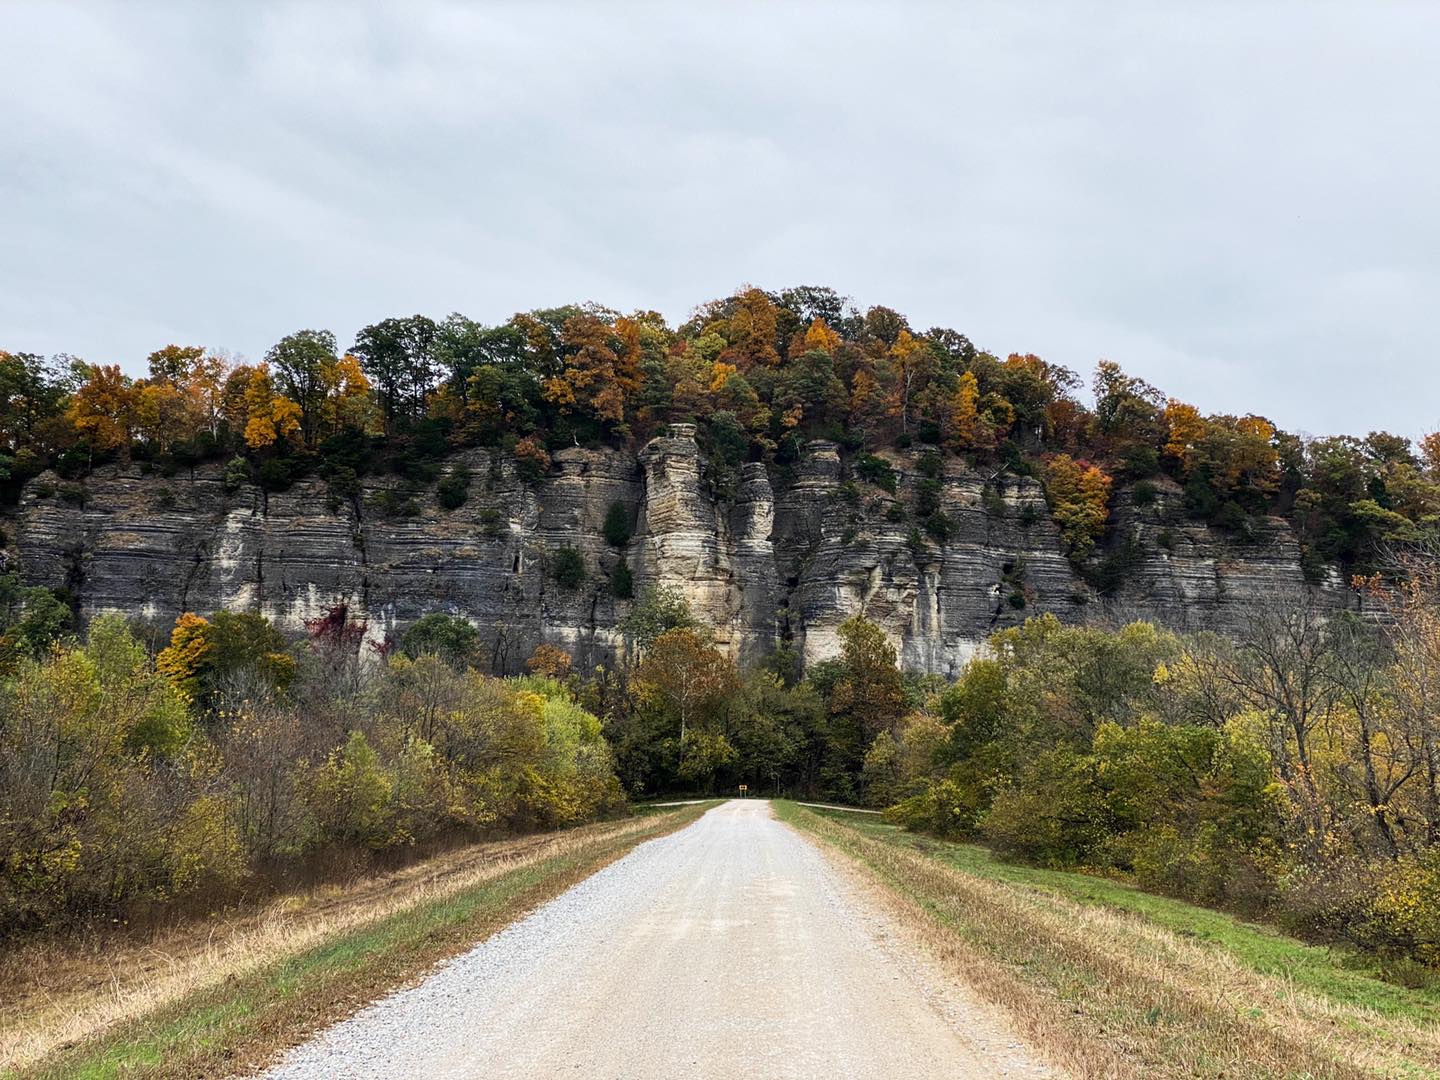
point(783, 560)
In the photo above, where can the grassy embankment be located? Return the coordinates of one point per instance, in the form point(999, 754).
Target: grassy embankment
point(205, 1000)
point(1109, 981)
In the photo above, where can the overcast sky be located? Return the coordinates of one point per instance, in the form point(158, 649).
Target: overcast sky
point(1238, 202)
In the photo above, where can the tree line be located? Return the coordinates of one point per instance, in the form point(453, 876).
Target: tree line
point(1292, 771)
point(758, 372)
point(227, 757)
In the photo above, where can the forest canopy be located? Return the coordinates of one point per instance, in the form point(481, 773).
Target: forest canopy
point(759, 373)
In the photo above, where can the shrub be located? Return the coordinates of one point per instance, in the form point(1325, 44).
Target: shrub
point(622, 585)
point(1144, 493)
point(391, 503)
point(1055, 815)
point(568, 567)
point(927, 497)
point(275, 475)
point(617, 525)
point(1233, 519)
point(450, 637)
point(236, 475)
point(1141, 461)
point(876, 470)
point(454, 489)
point(492, 525)
point(531, 460)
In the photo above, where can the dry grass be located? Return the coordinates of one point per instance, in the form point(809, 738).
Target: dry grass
point(60, 998)
point(1107, 993)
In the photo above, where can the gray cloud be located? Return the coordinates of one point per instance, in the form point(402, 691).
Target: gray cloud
point(1234, 200)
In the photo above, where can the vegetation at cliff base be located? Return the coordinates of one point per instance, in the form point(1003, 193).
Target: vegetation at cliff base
point(234, 757)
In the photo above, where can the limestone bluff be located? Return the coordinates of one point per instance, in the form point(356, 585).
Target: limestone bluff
point(784, 560)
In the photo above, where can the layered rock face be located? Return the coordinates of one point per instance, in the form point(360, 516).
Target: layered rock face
point(781, 562)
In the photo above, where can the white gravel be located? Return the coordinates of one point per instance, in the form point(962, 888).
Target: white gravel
point(728, 949)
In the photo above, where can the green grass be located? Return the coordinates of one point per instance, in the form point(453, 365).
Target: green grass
point(244, 1021)
point(1109, 981)
point(1339, 974)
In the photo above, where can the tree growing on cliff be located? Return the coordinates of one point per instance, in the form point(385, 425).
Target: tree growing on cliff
point(300, 362)
point(616, 529)
point(103, 408)
point(1079, 495)
point(400, 357)
point(568, 567)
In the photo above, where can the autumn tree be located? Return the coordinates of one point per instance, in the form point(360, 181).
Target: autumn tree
point(751, 331)
point(685, 675)
point(103, 409)
point(549, 661)
point(817, 335)
point(1079, 495)
point(269, 417)
point(911, 364)
point(869, 688)
point(601, 372)
point(1184, 431)
point(968, 431)
point(299, 362)
point(869, 404)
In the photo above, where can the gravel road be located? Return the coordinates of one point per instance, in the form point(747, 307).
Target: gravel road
point(729, 949)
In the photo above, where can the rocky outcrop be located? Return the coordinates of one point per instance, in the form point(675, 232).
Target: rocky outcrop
point(782, 562)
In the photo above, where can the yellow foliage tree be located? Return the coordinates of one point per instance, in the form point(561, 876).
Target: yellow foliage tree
point(103, 409)
point(1185, 428)
point(751, 330)
point(180, 661)
point(819, 336)
point(1079, 495)
point(269, 416)
point(968, 430)
point(910, 363)
point(348, 402)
